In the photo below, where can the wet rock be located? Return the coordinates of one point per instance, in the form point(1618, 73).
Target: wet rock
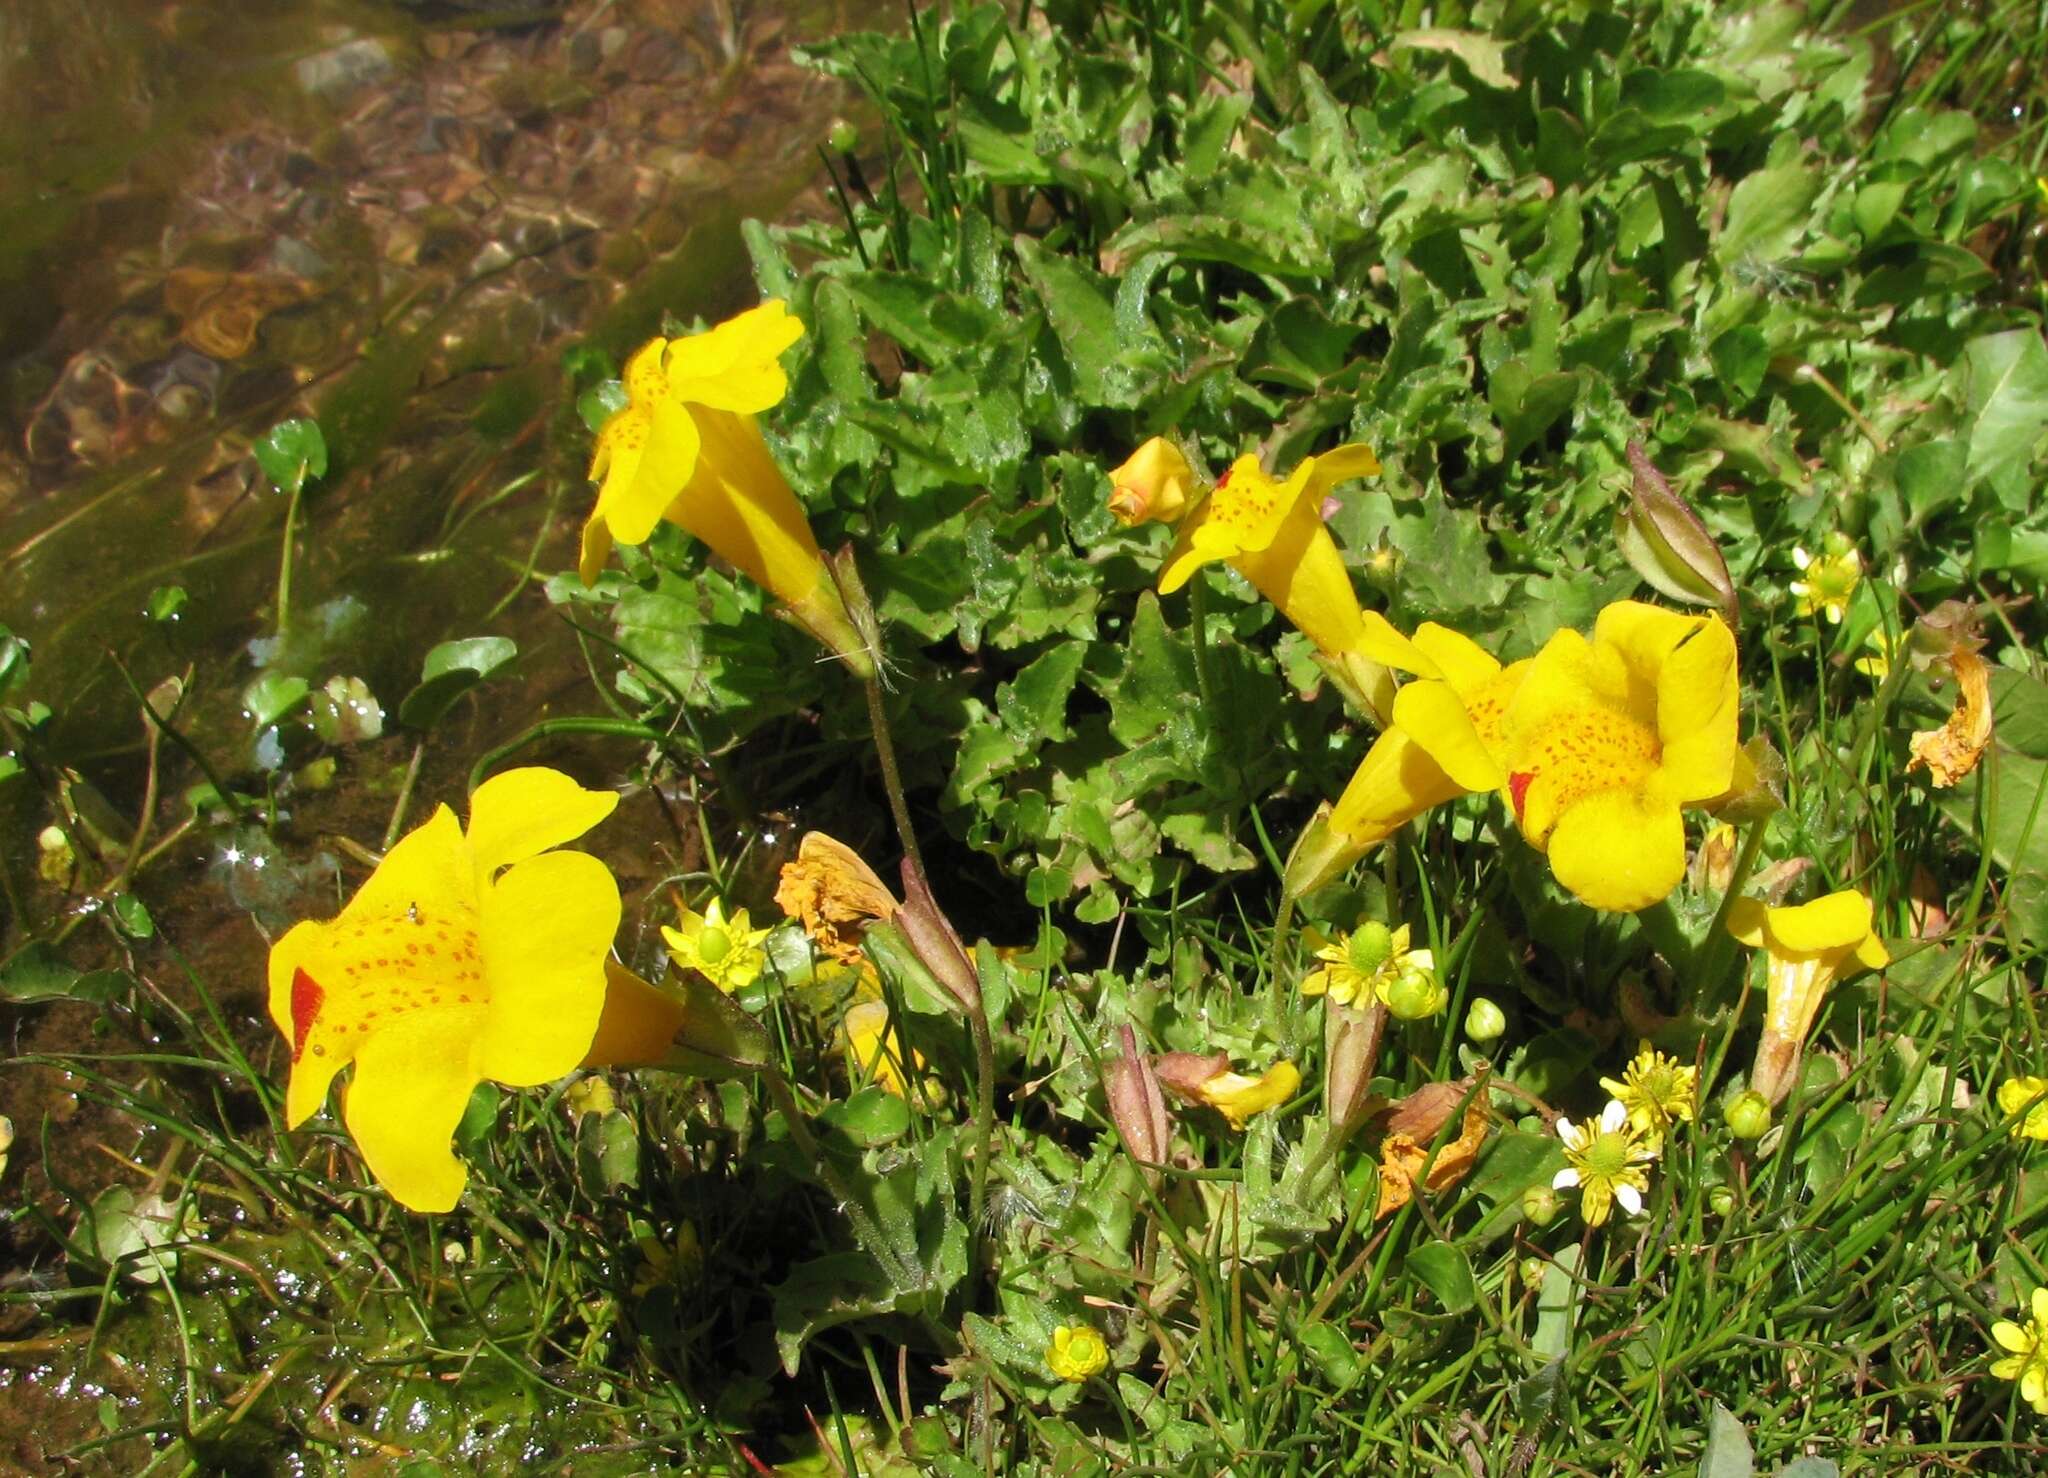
point(340, 70)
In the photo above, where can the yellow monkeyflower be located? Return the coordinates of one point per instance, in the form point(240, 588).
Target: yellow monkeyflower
point(686, 449)
point(1374, 963)
point(1807, 948)
point(1272, 533)
point(1077, 1352)
point(726, 952)
point(1596, 746)
point(2026, 1347)
point(2030, 1094)
point(465, 956)
point(1210, 1080)
point(1830, 579)
point(1657, 1091)
point(1608, 1159)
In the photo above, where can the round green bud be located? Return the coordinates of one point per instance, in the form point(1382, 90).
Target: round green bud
point(1721, 1200)
point(1532, 1270)
point(1415, 995)
point(713, 945)
point(1748, 1115)
point(842, 136)
point(1484, 1021)
point(1540, 1204)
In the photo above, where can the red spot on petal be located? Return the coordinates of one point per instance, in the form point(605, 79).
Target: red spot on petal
point(1518, 789)
point(1223, 481)
point(306, 998)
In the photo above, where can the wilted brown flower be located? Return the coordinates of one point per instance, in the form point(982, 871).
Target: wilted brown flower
point(834, 895)
point(1950, 752)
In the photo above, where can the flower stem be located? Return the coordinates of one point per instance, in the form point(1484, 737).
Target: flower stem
point(892, 778)
point(984, 1117)
point(284, 562)
point(866, 1231)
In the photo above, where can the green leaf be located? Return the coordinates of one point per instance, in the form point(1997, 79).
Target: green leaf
point(1767, 214)
point(1727, 1453)
point(292, 453)
point(608, 1152)
point(2005, 392)
point(1931, 476)
point(450, 670)
point(873, 1116)
point(1447, 1272)
point(165, 602)
point(272, 697)
point(132, 916)
point(1033, 705)
point(35, 973)
point(479, 1119)
point(1557, 1302)
point(1107, 366)
point(600, 403)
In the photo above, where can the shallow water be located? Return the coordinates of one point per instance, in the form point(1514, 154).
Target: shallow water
point(395, 218)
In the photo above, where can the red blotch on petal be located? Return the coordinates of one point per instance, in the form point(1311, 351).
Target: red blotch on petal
point(306, 998)
point(1518, 789)
point(1223, 481)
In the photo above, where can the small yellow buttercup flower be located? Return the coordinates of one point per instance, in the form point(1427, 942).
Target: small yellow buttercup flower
point(2026, 1360)
point(726, 952)
point(1363, 966)
point(1076, 1353)
point(1657, 1091)
point(1608, 1160)
point(1831, 578)
point(2031, 1094)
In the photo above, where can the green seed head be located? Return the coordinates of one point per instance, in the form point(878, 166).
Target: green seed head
point(713, 945)
point(1540, 1204)
point(1370, 945)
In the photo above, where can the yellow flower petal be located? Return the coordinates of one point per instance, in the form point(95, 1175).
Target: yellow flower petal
point(2039, 1304)
point(2010, 1336)
point(1238, 1097)
point(412, 1082)
point(736, 366)
point(1464, 664)
point(645, 452)
point(1435, 717)
point(1697, 711)
point(1835, 922)
point(1396, 782)
point(521, 813)
point(1153, 484)
point(546, 928)
point(1618, 851)
point(638, 1023)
